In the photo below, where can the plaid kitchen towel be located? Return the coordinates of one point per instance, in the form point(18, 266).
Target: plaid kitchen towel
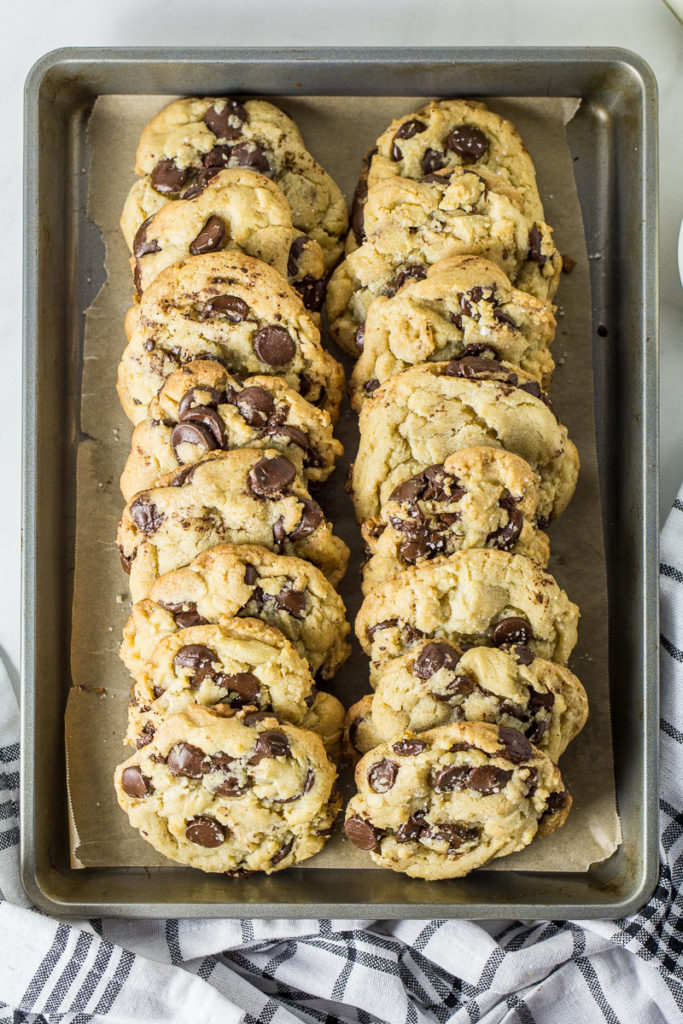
point(417, 972)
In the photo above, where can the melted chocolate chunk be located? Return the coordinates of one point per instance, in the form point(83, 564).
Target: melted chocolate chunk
point(146, 736)
point(209, 420)
point(487, 779)
point(251, 155)
point(282, 852)
point(504, 318)
point(535, 240)
point(134, 783)
point(295, 251)
point(556, 802)
point(270, 477)
point(539, 699)
point(205, 831)
point(256, 406)
point(406, 131)
point(244, 684)
point(468, 142)
point(250, 574)
point(432, 161)
point(515, 747)
point(234, 309)
point(127, 560)
point(455, 776)
point(370, 386)
point(361, 832)
point(386, 624)
point(198, 398)
point(191, 433)
point(459, 686)
point(359, 337)
point(408, 748)
point(415, 273)
point(311, 518)
point(271, 743)
point(291, 601)
point(210, 238)
point(273, 345)
point(312, 292)
point(433, 657)
point(511, 631)
point(413, 829)
point(146, 516)
point(219, 120)
point(382, 776)
point(199, 658)
point(471, 368)
point(507, 536)
point(143, 245)
point(168, 178)
point(184, 759)
point(455, 835)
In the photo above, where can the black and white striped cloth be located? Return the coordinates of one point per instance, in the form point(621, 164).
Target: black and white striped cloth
point(417, 972)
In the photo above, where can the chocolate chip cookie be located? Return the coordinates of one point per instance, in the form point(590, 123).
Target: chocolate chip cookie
point(237, 663)
point(229, 580)
point(202, 408)
point(450, 133)
point(447, 801)
point(437, 683)
point(234, 309)
point(242, 496)
point(477, 498)
point(231, 795)
point(422, 415)
point(191, 140)
point(411, 225)
point(238, 210)
point(465, 306)
point(479, 597)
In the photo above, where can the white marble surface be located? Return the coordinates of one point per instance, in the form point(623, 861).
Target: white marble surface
point(646, 26)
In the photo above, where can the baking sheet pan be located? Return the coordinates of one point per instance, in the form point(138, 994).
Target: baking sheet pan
point(204, 896)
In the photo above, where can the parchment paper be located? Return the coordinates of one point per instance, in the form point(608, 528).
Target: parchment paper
point(338, 131)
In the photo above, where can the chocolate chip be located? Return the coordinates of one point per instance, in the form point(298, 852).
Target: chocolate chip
point(487, 779)
point(432, 161)
point(382, 776)
point(361, 832)
point(168, 178)
point(146, 516)
point(311, 518)
point(455, 776)
point(468, 142)
point(273, 345)
point(244, 684)
point(416, 273)
point(230, 786)
point(413, 828)
point(185, 614)
point(134, 783)
point(408, 748)
point(198, 398)
point(359, 337)
point(504, 318)
point(386, 624)
point(357, 210)
point(146, 736)
point(463, 745)
point(455, 835)
point(205, 831)
point(234, 309)
point(247, 154)
point(410, 128)
point(256, 406)
point(127, 560)
point(370, 386)
point(184, 759)
point(310, 781)
point(515, 747)
point(210, 238)
point(279, 535)
point(535, 255)
point(219, 120)
point(282, 852)
point(141, 244)
point(208, 419)
point(197, 657)
point(471, 368)
point(295, 251)
point(191, 433)
point(409, 490)
point(296, 437)
point(537, 731)
point(269, 477)
point(511, 631)
point(433, 657)
point(250, 574)
point(506, 536)
point(217, 157)
point(556, 802)
point(523, 655)
point(459, 686)
point(539, 699)
point(271, 743)
point(312, 292)
point(291, 601)
point(257, 716)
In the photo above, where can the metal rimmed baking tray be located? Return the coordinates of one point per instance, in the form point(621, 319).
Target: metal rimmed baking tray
point(614, 138)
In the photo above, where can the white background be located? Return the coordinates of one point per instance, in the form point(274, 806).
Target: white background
point(32, 29)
